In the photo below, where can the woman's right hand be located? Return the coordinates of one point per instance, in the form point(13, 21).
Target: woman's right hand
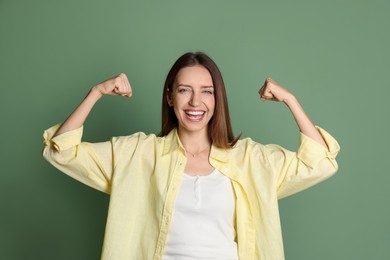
point(115, 86)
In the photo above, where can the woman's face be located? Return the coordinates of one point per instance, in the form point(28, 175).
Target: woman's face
point(193, 98)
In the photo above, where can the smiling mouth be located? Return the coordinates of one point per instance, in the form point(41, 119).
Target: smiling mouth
point(195, 115)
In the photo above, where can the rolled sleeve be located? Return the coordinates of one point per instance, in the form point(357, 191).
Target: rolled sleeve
point(89, 163)
point(63, 141)
point(311, 164)
point(311, 152)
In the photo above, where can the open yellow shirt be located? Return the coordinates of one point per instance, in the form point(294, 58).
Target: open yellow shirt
point(142, 174)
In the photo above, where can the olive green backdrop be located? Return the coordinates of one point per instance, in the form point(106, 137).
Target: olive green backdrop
point(333, 55)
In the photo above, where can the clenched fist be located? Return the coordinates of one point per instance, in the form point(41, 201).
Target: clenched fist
point(116, 86)
point(271, 90)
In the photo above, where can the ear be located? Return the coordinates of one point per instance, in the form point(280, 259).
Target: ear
point(169, 100)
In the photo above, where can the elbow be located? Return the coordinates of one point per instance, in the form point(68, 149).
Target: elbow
point(328, 168)
point(334, 168)
point(47, 152)
point(56, 157)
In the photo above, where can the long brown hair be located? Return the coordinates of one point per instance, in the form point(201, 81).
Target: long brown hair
point(219, 129)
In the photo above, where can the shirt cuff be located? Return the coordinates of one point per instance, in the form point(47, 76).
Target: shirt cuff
point(311, 152)
point(63, 141)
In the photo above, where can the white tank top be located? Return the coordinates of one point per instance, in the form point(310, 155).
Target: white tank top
point(202, 225)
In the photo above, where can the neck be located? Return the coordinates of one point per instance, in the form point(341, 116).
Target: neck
point(194, 142)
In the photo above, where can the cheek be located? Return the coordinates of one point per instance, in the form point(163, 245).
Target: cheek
point(212, 102)
point(177, 111)
point(211, 106)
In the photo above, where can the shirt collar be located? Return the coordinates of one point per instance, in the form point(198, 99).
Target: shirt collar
point(171, 142)
point(219, 154)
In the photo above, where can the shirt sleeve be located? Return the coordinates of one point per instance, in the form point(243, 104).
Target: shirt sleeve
point(311, 164)
point(89, 163)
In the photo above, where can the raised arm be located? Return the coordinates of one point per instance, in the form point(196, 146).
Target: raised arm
point(117, 86)
point(89, 163)
point(271, 90)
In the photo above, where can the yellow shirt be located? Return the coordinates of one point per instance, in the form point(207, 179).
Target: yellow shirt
point(142, 174)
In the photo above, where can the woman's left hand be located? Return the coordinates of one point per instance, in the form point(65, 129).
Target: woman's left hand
point(271, 90)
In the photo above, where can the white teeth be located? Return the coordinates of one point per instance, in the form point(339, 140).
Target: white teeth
point(195, 113)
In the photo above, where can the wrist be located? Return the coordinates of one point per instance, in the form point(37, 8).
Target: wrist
point(95, 92)
point(290, 99)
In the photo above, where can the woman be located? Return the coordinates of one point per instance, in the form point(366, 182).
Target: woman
point(195, 191)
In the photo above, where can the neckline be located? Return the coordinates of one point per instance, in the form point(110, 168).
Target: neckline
point(210, 175)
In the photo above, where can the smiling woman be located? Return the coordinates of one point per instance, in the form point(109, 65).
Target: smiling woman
point(219, 127)
point(192, 99)
point(195, 191)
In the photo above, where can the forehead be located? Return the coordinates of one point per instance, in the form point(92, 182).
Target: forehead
point(193, 76)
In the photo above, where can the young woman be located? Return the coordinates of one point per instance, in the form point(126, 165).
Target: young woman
point(195, 191)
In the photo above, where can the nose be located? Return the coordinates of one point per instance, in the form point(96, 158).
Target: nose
point(195, 99)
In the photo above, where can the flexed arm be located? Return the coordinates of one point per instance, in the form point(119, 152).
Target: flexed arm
point(89, 163)
point(271, 90)
point(117, 86)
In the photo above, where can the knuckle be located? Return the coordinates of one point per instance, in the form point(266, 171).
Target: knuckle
point(118, 81)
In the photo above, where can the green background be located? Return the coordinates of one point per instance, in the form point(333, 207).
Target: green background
point(333, 55)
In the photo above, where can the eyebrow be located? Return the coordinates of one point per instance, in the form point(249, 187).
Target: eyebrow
point(185, 85)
